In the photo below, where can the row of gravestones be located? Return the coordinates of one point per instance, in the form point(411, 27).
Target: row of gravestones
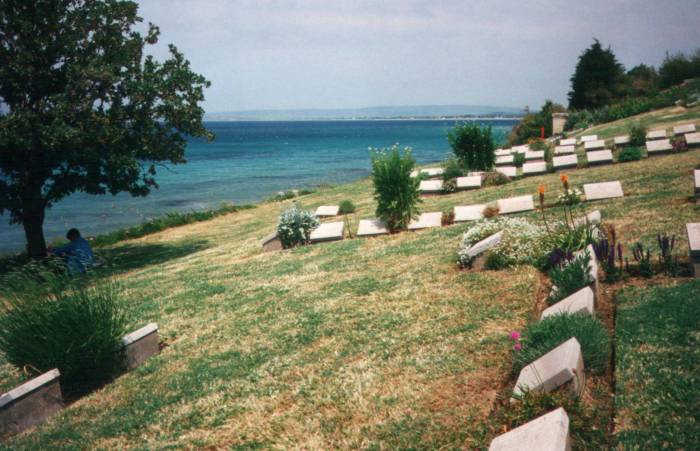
point(335, 231)
point(560, 366)
point(38, 399)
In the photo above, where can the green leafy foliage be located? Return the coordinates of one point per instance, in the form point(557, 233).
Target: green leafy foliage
point(295, 226)
point(346, 207)
point(53, 322)
point(395, 191)
point(452, 169)
point(679, 67)
point(473, 146)
point(632, 153)
point(538, 338)
point(519, 160)
point(638, 135)
point(597, 80)
point(569, 277)
point(530, 127)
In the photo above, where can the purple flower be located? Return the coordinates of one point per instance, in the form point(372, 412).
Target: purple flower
point(515, 335)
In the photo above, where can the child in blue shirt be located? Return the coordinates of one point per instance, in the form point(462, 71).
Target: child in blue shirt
point(77, 253)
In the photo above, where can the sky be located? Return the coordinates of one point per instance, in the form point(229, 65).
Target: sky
point(266, 54)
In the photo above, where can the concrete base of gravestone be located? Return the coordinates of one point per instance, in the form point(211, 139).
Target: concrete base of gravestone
point(504, 160)
point(589, 138)
point(599, 157)
point(622, 140)
point(327, 210)
point(534, 155)
point(140, 345)
point(515, 204)
point(594, 145)
point(564, 150)
point(534, 168)
point(559, 366)
point(327, 231)
point(430, 186)
point(508, 171)
point(471, 182)
point(484, 245)
point(371, 227)
point(605, 190)
point(567, 142)
point(659, 147)
point(656, 134)
point(692, 139)
point(580, 302)
point(469, 212)
point(426, 221)
point(30, 404)
point(683, 129)
point(550, 432)
point(564, 162)
point(271, 243)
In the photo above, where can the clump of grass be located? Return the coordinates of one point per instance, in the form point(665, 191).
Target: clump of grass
point(638, 135)
point(395, 191)
point(519, 160)
point(541, 337)
point(629, 154)
point(448, 217)
point(346, 207)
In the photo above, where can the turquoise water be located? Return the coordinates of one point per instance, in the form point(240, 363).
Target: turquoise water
point(248, 162)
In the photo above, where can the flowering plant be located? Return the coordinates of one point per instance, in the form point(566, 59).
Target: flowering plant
point(295, 226)
point(569, 197)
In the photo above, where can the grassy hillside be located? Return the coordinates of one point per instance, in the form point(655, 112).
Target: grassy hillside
point(377, 343)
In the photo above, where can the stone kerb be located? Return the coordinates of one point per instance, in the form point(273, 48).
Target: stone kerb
point(139, 345)
point(30, 404)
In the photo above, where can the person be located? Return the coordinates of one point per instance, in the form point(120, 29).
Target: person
point(77, 252)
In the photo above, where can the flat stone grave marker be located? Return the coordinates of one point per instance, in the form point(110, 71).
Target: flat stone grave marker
point(550, 432)
point(599, 157)
point(594, 145)
point(693, 230)
point(430, 186)
point(140, 344)
point(683, 129)
point(696, 175)
point(470, 182)
point(562, 150)
point(621, 140)
point(426, 221)
point(557, 367)
point(692, 139)
point(505, 159)
point(372, 227)
point(579, 302)
point(328, 231)
point(31, 403)
point(656, 134)
point(567, 142)
point(520, 149)
point(516, 204)
point(501, 152)
point(587, 138)
point(327, 210)
point(534, 168)
point(604, 190)
point(593, 217)
point(433, 172)
point(469, 212)
point(659, 146)
point(484, 245)
point(508, 171)
point(534, 155)
point(565, 161)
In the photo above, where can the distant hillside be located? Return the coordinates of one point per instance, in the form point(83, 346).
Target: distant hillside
point(376, 112)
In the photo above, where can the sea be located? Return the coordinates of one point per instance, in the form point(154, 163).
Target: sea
point(249, 161)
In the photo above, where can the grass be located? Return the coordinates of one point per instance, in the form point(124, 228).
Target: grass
point(372, 343)
point(657, 359)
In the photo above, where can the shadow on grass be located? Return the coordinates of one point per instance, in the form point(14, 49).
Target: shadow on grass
point(134, 256)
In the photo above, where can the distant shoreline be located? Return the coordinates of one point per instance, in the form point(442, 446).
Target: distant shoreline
point(359, 119)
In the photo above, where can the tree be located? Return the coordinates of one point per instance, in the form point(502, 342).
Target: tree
point(531, 124)
point(677, 68)
point(597, 80)
point(85, 110)
point(395, 191)
point(643, 80)
point(473, 146)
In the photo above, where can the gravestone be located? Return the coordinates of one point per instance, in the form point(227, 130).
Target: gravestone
point(328, 231)
point(683, 129)
point(534, 168)
point(484, 245)
point(693, 230)
point(426, 221)
point(271, 243)
point(599, 157)
point(469, 212)
point(550, 432)
point(588, 138)
point(140, 345)
point(470, 182)
point(433, 172)
point(692, 139)
point(659, 147)
point(559, 366)
point(504, 160)
point(580, 302)
point(30, 404)
point(327, 210)
point(508, 171)
point(567, 142)
point(534, 155)
point(515, 204)
point(558, 122)
point(656, 134)
point(622, 140)
point(473, 173)
point(563, 150)
point(430, 186)
point(521, 149)
point(696, 176)
point(605, 190)
point(371, 227)
point(564, 162)
point(501, 152)
point(594, 145)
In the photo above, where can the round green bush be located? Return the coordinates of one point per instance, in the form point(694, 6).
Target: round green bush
point(295, 226)
point(346, 207)
point(629, 154)
point(541, 337)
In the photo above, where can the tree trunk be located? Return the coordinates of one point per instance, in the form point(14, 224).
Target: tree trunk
point(33, 223)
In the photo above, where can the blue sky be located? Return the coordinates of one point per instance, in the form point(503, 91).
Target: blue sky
point(343, 54)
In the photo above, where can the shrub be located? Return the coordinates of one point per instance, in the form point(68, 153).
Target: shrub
point(395, 191)
point(448, 218)
point(638, 135)
point(491, 211)
point(679, 144)
point(295, 226)
point(569, 277)
point(633, 153)
point(452, 169)
point(449, 186)
point(346, 207)
point(473, 145)
point(494, 178)
point(71, 326)
point(519, 160)
point(540, 337)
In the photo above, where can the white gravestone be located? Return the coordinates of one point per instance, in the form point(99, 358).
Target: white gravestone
point(605, 190)
point(484, 245)
point(534, 155)
point(693, 230)
point(587, 138)
point(534, 168)
point(594, 145)
point(599, 157)
point(550, 432)
point(516, 204)
point(505, 159)
point(565, 161)
point(430, 186)
point(372, 227)
point(327, 210)
point(470, 182)
point(621, 140)
point(501, 152)
point(696, 176)
point(328, 231)
point(426, 221)
point(563, 150)
point(580, 302)
point(521, 149)
point(508, 171)
point(692, 139)
point(567, 142)
point(659, 146)
point(469, 212)
point(656, 134)
point(683, 129)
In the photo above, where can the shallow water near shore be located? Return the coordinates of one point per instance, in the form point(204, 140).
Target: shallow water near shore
point(248, 162)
